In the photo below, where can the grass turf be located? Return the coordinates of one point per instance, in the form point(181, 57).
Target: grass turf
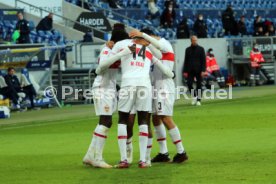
point(228, 141)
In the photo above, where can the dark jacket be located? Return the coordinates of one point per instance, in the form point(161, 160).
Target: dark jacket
point(167, 18)
point(228, 20)
point(257, 25)
point(23, 26)
point(183, 30)
point(46, 24)
point(200, 28)
point(195, 59)
point(242, 28)
point(13, 82)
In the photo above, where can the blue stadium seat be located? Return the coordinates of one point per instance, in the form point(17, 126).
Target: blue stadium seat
point(31, 25)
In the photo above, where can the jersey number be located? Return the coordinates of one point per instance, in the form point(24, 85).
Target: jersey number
point(159, 106)
point(141, 53)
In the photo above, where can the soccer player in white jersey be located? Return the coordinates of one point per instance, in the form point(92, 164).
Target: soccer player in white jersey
point(105, 101)
point(135, 91)
point(165, 97)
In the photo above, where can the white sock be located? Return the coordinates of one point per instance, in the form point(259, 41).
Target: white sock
point(101, 134)
point(129, 144)
point(92, 145)
point(160, 132)
point(143, 141)
point(176, 138)
point(122, 139)
point(149, 146)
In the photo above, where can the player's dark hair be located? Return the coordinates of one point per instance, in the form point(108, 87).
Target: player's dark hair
point(10, 69)
point(119, 26)
point(147, 31)
point(119, 35)
point(209, 50)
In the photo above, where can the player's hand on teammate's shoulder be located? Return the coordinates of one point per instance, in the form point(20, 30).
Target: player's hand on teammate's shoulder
point(132, 48)
point(144, 42)
point(135, 33)
point(110, 44)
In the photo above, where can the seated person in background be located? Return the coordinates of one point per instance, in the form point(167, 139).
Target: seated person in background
point(46, 24)
point(7, 92)
point(113, 4)
point(153, 12)
point(200, 27)
point(168, 17)
point(213, 70)
point(14, 85)
point(242, 26)
point(183, 29)
point(270, 31)
point(256, 57)
point(259, 32)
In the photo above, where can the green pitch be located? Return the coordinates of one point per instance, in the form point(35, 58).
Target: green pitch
point(228, 141)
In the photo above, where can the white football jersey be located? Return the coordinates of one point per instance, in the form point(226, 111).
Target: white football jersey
point(160, 80)
point(135, 67)
point(108, 78)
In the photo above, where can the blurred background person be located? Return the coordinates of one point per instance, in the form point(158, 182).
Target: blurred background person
point(213, 70)
point(200, 27)
point(194, 68)
point(259, 32)
point(228, 21)
point(270, 31)
point(173, 2)
point(14, 85)
point(22, 26)
point(153, 13)
point(183, 29)
point(258, 23)
point(45, 24)
point(242, 27)
point(168, 16)
point(256, 58)
point(113, 4)
point(153, 9)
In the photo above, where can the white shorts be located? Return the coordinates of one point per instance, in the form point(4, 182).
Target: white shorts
point(105, 101)
point(163, 104)
point(135, 98)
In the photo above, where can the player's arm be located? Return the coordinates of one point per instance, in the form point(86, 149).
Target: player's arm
point(163, 68)
point(152, 40)
point(106, 63)
point(157, 53)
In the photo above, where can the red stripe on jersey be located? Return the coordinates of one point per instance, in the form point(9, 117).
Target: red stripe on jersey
point(149, 55)
point(177, 142)
point(100, 135)
point(161, 139)
point(116, 65)
point(143, 134)
point(169, 56)
point(122, 137)
point(149, 146)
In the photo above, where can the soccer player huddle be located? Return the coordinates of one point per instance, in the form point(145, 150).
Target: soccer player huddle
point(147, 89)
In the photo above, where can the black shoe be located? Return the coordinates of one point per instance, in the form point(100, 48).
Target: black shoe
point(161, 158)
point(180, 157)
